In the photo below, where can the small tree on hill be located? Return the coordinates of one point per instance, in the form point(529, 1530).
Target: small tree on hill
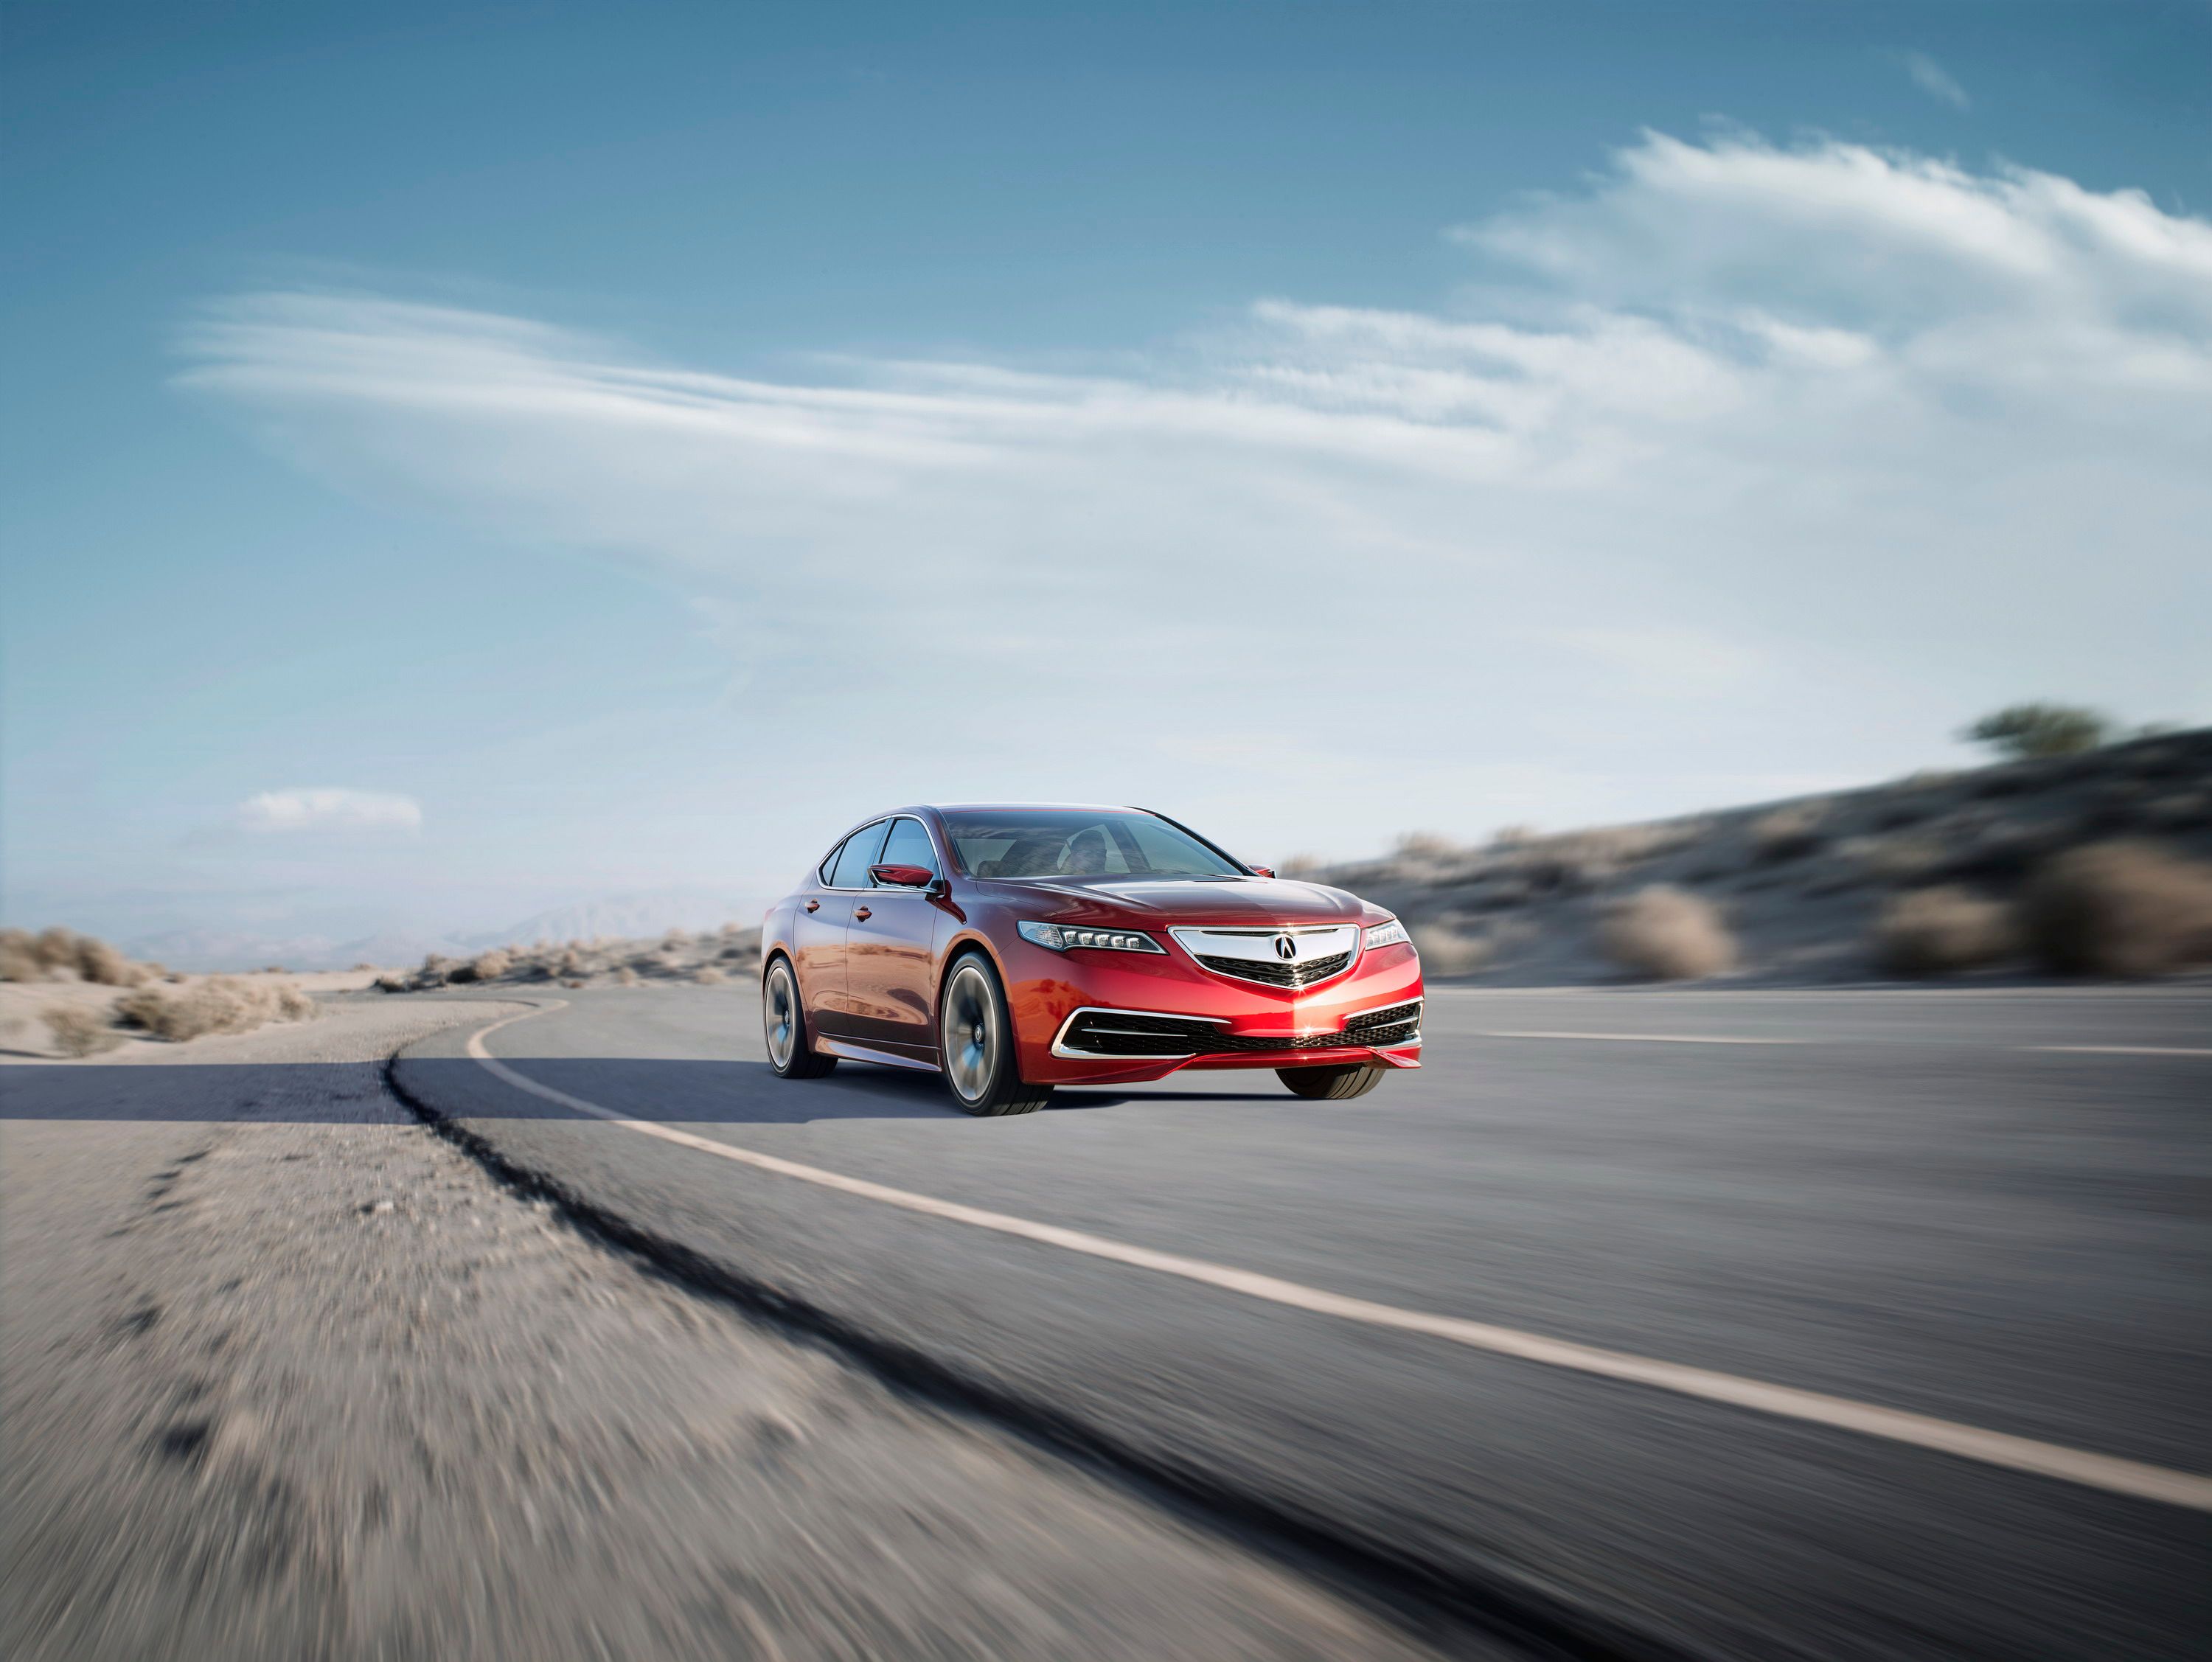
point(2033, 730)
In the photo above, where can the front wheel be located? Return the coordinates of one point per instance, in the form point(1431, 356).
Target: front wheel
point(1354, 1079)
point(976, 1036)
point(783, 1018)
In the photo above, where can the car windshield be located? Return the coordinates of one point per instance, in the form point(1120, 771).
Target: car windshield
point(1078, 842)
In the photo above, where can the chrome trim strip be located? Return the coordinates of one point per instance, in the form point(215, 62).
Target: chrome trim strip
point(1060, 1047)
point(1061, 1050)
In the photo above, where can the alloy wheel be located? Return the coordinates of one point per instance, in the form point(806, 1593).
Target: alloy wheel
point(779, 1011)
point(971, 1033)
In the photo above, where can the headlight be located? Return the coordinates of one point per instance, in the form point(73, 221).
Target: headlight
point(1060, 936)
point(1392, 933)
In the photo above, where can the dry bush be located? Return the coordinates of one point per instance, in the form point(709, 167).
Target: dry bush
point(97, 961)
point(2125, 908)
point(219, 1004)
point(626, 976)
point(1941, 931)
point(78, 1031)
point(389, 982)
point(55, 948)
point(1894, 859)
point(1424, 845)
point(1447, 952)
point(572, 963)
point(572, 985)
point(1788, 833)
point(19, 958)
point(1666, 933)
point(708, 976)
point(2182, 811)
point(489, 966)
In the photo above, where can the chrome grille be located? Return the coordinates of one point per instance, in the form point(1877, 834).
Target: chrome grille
point(1277, 974)
point(1290, 956)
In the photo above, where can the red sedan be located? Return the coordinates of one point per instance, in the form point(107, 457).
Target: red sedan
point(1014, 949)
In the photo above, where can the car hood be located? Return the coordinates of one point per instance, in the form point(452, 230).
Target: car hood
point(1255, 900)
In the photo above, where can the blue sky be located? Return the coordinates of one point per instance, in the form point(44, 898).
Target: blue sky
point(598, 449)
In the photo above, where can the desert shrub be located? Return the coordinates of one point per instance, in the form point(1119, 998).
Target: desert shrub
point(626, 976)
point(55, 949)
point(1894, 859)
point(489, 966)
point(2040, 730)
point(1667, 934)
point(572, 963)
point(708, 976)
point(19, 957)
point(2127, 909)
point(219, 1005)
point(97, 961)
point(78, 1031)
point(1424, 845)
point(1940, 931)
point(1788, 833)
point(572, 985)
point(1448, 952)
point(2181, 811)
point(389, 983)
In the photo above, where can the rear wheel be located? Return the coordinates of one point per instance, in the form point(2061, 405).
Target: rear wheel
point(1354, 1079)
point(976, 1036)
point(783, 1018)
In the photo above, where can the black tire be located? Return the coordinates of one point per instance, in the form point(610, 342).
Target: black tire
point(791, 1049)
point(1353, 1078)
point(975, 1041)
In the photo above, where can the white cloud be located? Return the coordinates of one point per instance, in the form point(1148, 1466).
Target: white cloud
point(1932, 78)
point(1860, 440)
point(328, 808)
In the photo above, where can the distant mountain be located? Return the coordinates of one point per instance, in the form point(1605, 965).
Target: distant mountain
point(647, 913)
point(236, 949)
point(628, 916)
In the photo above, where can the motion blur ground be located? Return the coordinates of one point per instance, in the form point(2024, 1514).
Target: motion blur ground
point(1920, 1202)
point(284, 1375)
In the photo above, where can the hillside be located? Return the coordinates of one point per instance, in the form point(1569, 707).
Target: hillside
point(1802, 887)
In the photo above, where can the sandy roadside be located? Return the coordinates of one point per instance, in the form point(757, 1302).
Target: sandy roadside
point(25, 1038)
point(283, 1374)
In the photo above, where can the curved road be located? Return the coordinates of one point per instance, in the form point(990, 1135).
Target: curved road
point(1916, 1290)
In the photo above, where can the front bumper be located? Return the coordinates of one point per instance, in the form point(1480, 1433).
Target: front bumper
point(1064, 1004)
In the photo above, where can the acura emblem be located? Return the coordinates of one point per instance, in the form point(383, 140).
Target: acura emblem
point(1286, 947)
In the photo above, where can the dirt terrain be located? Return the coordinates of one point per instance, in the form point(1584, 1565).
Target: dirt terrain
point(1801, 889)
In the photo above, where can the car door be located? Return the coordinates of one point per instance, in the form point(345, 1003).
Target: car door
point(817, 932)
point(890, 952)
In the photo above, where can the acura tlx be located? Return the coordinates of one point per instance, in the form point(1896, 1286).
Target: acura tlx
point(1018, 948)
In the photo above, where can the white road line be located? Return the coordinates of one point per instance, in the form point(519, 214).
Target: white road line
point(1645, 1038)
point(2118, 1049)
point(2072, 1465)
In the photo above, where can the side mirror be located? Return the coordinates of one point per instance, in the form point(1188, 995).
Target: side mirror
point(1263, 871)
point(903, 877)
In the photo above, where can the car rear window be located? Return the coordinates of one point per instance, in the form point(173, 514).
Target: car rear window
point(851, 870)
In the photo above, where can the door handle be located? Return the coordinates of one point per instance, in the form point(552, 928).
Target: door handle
point(859, 913)
point(813, 905)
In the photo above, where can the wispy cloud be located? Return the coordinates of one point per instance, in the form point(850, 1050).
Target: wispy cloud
point(1932, 78)
point(327, 808)
point(1844, 434)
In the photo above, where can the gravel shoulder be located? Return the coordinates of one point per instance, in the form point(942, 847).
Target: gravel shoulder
point(282, 1373)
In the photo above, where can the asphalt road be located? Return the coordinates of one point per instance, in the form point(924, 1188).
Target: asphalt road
point(1920, 1202)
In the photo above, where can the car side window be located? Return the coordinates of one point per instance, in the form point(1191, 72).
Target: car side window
point(909, 845)
point(828, 864)
point(859, 854)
